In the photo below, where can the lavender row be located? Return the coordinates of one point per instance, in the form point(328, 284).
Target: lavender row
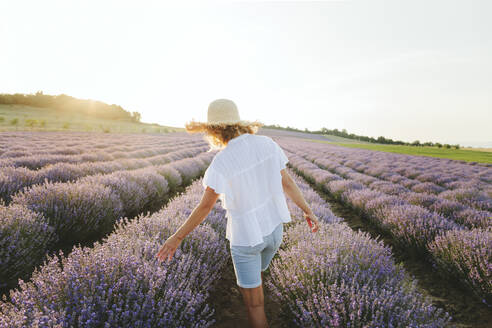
point(15, 179)
point(339, 278)
point(35, 162)
point(24, 238)
point(454, 204)
point(85, 210)
point(413, 228)
point(24, 143)
point(129, 150)
point(466, 255)
point(120, 283)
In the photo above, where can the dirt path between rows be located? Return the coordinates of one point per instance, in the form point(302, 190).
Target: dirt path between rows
point(229, 306)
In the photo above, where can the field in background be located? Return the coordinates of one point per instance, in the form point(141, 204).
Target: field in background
point(468, 155)
point(26, 118)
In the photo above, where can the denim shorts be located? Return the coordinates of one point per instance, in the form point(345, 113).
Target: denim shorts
point(248, 261)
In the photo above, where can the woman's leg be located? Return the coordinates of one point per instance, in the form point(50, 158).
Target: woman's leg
point(254, 297)
point(254, 301)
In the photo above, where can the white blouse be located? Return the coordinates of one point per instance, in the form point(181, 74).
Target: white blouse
point(246, 174)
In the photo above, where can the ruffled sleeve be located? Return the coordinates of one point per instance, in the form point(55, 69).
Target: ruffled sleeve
point(282, 158)
point(214, 180)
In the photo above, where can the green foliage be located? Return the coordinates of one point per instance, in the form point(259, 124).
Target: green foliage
point(14, 121)
point(66, 125)
point(2, 118)
point(64, 103)
point(31, 122)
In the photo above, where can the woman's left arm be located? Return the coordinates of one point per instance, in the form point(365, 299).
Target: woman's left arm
point(196, 217)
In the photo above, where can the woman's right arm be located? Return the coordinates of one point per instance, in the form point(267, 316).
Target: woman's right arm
point(292, 190)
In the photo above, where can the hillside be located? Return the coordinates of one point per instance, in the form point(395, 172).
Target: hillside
point(22, 117)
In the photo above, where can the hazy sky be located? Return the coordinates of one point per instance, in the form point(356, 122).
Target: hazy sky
point(405, 70)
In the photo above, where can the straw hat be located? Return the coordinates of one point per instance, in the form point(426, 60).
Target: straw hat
point(222, 112)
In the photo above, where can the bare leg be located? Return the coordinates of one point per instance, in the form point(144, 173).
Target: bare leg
point(254, 301)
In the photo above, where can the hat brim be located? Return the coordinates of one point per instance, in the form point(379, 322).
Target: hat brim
point(241, 122)
point(195, 126)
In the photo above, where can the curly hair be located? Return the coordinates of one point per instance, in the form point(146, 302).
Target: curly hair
point(219, 134)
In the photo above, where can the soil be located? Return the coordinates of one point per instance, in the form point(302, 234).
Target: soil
point(229, 305)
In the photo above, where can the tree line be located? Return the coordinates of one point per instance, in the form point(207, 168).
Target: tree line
point(380, 140)
point(64, 103)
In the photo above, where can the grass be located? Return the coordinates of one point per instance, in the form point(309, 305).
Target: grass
point(26, 118)
point(482, 156)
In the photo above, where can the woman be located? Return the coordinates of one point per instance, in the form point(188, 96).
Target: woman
point(249, 176)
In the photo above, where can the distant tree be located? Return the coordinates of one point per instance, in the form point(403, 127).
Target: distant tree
point(31, 123)
point(381, 139)
point(447, 146)
point(14, 121)
point(416, 143)
point(136, 116)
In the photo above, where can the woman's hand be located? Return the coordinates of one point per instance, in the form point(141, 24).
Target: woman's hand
point(167, 250)
point(312, 220)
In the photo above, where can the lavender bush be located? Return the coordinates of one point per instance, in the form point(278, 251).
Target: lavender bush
point(24, 237)
point(77, 211)
point(467, 256)
point(413, 226)
point(469, 196)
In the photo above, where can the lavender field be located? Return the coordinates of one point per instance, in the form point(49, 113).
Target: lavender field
point(83, 215)
point(438, 210)
point(59, 189)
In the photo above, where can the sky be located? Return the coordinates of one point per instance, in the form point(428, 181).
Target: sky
point(406, 70)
